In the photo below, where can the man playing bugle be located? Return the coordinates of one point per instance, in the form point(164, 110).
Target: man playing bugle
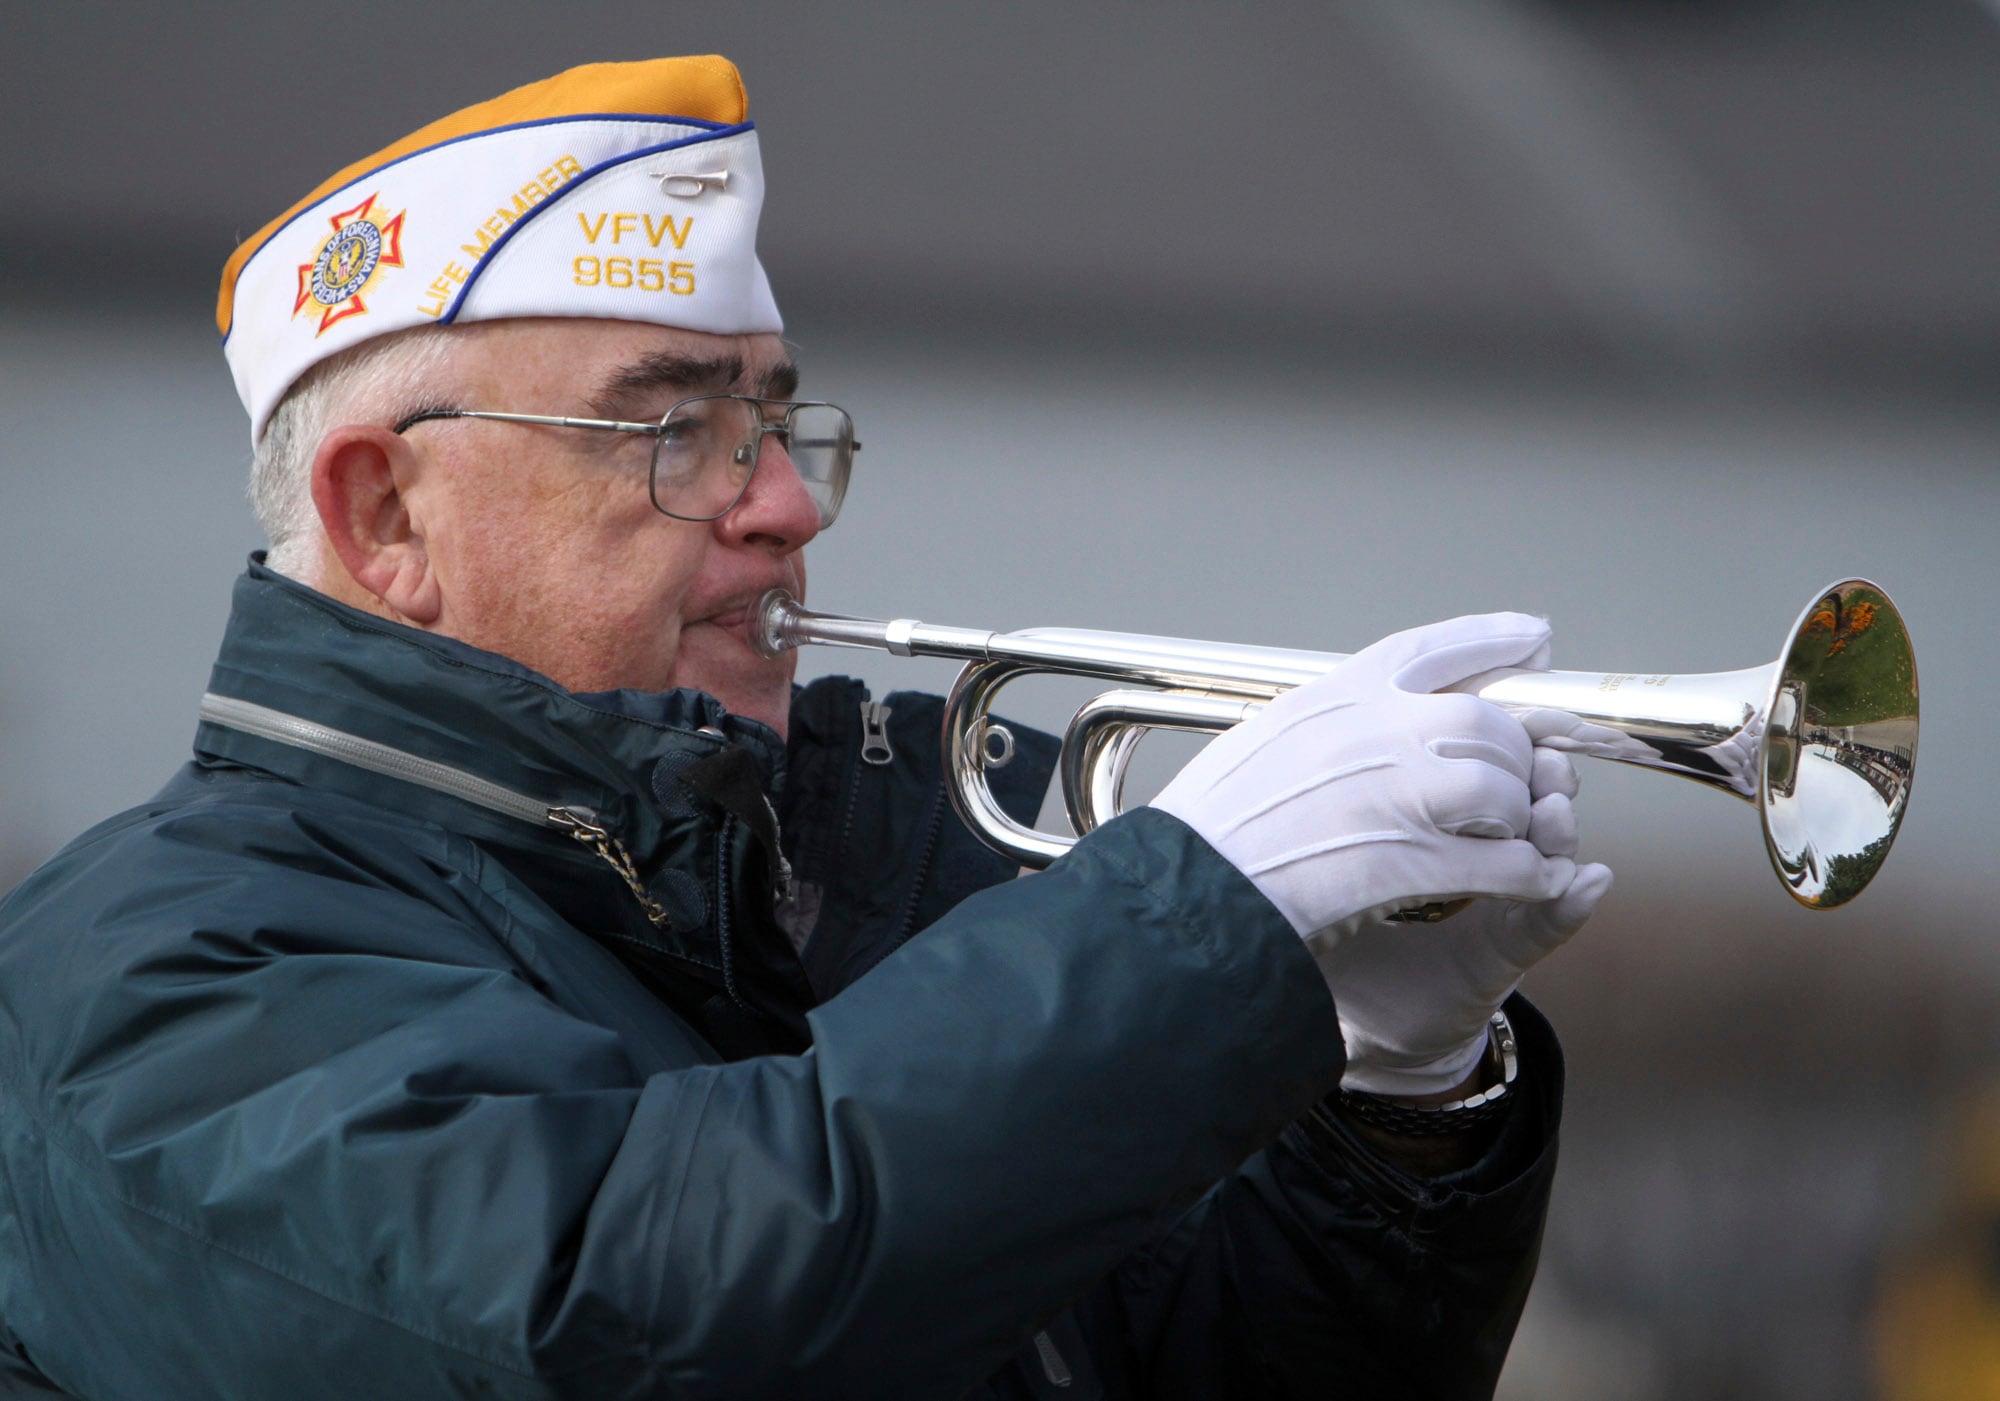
point(525, 992)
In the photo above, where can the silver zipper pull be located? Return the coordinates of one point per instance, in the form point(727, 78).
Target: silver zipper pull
point(1053, 1366)
point(875, 733)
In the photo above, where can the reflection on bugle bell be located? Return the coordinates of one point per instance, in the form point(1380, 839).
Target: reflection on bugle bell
point(1823, 740)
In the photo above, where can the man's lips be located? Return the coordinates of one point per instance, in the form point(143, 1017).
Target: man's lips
point(732, 608)
point(737, 612)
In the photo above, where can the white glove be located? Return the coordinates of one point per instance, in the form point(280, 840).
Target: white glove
point(1414, 1000)
point(1360, 792)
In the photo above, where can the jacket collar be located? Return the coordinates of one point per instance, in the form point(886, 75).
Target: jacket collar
point(616, 754)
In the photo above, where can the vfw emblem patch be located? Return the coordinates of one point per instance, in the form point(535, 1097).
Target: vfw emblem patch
point(364, 241)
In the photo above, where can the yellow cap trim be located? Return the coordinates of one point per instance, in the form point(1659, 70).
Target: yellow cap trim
point(706, 87)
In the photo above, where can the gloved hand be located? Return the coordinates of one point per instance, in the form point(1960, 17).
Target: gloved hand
point(1361, 792)
point(1414, 1000)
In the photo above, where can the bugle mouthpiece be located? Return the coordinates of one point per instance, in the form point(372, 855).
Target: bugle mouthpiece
point(774, 624)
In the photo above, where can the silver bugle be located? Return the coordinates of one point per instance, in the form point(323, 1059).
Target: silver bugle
point(1823, 740)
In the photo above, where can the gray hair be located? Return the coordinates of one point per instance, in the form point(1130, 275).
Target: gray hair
point(377, 381)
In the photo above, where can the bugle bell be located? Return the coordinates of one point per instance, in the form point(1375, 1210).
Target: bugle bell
point(1823, 740)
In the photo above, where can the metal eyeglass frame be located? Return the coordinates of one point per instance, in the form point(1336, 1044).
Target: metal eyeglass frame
point(657, 432)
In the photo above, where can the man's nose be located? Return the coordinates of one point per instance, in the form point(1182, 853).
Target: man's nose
point(775, 510)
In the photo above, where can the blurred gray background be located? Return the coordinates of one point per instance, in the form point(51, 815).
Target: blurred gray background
point(1288, 323)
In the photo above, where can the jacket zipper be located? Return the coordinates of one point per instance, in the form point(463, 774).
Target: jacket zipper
point(854, 780)
point(933, 829)
point(579, 822)
point(722, 911)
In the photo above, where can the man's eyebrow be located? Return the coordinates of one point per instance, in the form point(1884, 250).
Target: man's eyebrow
point(630, 386)
point(627, 387)
point(781, 381)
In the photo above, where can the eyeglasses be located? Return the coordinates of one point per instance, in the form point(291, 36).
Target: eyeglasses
point(706, 449)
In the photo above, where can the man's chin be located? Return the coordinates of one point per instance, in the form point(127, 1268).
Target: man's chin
point(772, 710)
point(756, 688)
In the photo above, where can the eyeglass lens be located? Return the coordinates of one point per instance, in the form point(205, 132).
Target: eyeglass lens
point(708, 448)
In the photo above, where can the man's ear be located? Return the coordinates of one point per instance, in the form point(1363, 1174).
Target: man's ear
point(360, 479)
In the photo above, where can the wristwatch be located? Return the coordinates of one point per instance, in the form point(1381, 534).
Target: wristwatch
point(1502, 1064)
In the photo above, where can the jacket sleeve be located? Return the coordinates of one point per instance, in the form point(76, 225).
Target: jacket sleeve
point(1321, 1270)
point(284, 1116)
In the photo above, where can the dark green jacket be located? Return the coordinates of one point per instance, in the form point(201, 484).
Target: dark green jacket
point(316, 1080)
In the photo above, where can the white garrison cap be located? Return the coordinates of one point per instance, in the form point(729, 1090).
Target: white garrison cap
point(620, 190)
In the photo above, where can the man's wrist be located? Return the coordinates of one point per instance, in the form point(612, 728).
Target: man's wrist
point(1483, 1098)
point(1479, 1161)
point(1430, 1156)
